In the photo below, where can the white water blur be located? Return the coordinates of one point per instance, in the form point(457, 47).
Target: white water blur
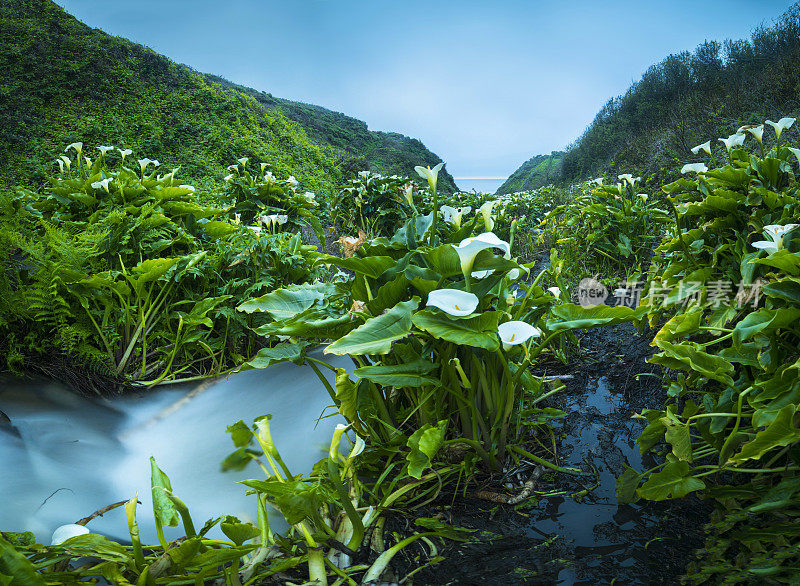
point(74, 455)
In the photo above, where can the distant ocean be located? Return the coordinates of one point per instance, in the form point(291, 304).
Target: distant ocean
point(479, 184)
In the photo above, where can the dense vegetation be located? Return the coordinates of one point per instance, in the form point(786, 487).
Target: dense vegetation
point(106, 90)
point(357, 148)
point(685, 99)
point(536, 172)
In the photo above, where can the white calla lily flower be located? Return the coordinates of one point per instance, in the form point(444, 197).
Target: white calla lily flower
point(263, 166)
point(357, 448)
point(78, 146)
point(282, 218)
point(189, 187)
point(143, 163)
point(486, 211)
point(517, 332)
point(243, 161)
point(453, 301)
point(756, 130)
point(630, 179)
point(233, 167)
point(480, 274)
point(61, 534)
point(255, 229)
point(269, 177)
point(228, 178)
point(781, 125)
point(292, 181)
point(795, 152)
point(125, 153)
point(67, 161)
point(734, 140)
point(60, 165)
point(694, 168)
point(706, 146)
point(598, 181)
point(88, 161)
point(104, 149)
point(555, 291)
point(776, 233)
point(309, 196)
point(469, 248)
point(432, 175)
point(103, 184)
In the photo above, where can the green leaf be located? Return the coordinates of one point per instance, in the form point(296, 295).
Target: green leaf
point(424, 444)
point(370, 266)
point(760, 320)
point(407, 374)
point(673, 481)
point(237, 531)
point(241, 434)
point(677, 435)
point(377, 334)
point(218, 229)
point(282, 352)
point(479, 331)
point(626, 485)
point(569, 316)
point(286, 303)
point(781, 432)
point(789, 262)
point(689, 356)
point(163, 509)
point(787, 289)
point(295, 499)
point(15, 565)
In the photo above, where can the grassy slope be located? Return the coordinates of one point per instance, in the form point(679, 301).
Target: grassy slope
point(535, 172)
point(357, 147)
point(63, 81)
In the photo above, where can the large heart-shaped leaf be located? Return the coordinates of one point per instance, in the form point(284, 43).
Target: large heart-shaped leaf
point(376, 335)
point(479, 331)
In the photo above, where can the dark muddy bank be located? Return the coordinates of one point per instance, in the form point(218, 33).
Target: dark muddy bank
point(578, 534)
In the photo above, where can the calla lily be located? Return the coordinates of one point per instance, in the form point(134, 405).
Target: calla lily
point(228, 178)
point(408, 194)
point(796, 153)
point(60, 165)
point(469, 248)
point(598, 181)
point(481, 274)
point(66, 160)
point(431, 175)
point(144, 162)
point(733, 140)
point(517, 332)
point(269, 177)
point(88, 161)
point(706, 146)
point(631, 180)
point(78, 146)
point(256, 229)
point(486, 211)
point(104, 149)
point(453, 301)
point(755, 130)
point(189, 187)
point(694, 168)
point(61, 534)
point(781, 125)
point(363, 174)
point(776, 234)
point(555, 291)
point(282, 219)
point(233, 167)
point(310, 197)
point(243, 161)
point(292, 181)
point(644, 196)
point(454, 215)
point(357, 448)
point(103, 184)
point(125, 153)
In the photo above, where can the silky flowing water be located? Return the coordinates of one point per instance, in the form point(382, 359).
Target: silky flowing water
point(65, 456)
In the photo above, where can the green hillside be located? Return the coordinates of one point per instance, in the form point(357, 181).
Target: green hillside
point(689, 98)
point(357, 148)
point(64, 81)
point(536, 172)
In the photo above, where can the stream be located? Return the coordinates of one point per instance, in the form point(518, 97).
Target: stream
point(66, 456)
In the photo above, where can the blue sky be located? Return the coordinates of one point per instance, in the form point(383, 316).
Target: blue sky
point(485, 85)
